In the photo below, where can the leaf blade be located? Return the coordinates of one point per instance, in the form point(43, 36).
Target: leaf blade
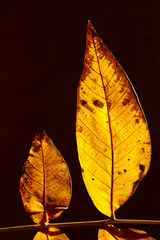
point(45, 185)
point(50, 234)
point(111, 129)
point(114, 233)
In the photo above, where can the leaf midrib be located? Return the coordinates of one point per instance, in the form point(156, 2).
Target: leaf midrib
point(44, 185)
point(110, 128)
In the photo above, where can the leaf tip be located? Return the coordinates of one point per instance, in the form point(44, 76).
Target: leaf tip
point(91, 32)
point(89, 22)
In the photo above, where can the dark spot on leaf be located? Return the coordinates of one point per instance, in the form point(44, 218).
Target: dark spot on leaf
point(84, 92)
point(93, 179)
point(125, 170)
point(81, 88)
point(23, 172)
point(92, 32)
point(126, 101)
point(138, 140)
point(135, 186)
point(141, 168)
point(31, 155)
point(128, 159)
point(36, 148)
point(146, 143)
point(82, 169)
point(98, 103)
point(79, 128)
point(143, 150)
point(137, 120)
point(122, 90)
point(83, 102)
point(119, 173)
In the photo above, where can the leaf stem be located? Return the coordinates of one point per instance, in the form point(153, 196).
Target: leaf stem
point(81, 224)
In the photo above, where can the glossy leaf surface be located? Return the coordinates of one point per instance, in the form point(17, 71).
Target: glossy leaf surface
point(50, 234)
point(112, 135)
point(113, 233)
point(45, 185)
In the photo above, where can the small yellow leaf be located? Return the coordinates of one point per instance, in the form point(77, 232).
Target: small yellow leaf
point(50, 234)
point(45, 185)
point(112, 134)
point(113, 233)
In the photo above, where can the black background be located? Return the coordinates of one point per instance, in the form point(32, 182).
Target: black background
point(42, 46)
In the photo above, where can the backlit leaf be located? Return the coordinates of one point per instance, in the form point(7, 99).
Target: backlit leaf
point(113, 233)
point(50, 234)
point(45, 185)
point(112, 135)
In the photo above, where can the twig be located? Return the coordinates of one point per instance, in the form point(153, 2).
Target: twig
point(81, 224)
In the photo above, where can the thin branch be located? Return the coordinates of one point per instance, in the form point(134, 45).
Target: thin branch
point(81, 224)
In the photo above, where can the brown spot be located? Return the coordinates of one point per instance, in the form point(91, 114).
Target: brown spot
point(138, 140)
point(135, 184)
point(125, 170)
point(126, 101)
point(36, 148)
point(30, 155)
point(93, 179)
point(90, 30)
point(128, 159)
point(119, 173)
point(39, 137)
point(84, 92)
point(137, 120)
point(142, 150)
point(147, 143)
point(79, 128)
point(122, 90)
point(98, 103)
point(82, 170)
point(83, 102)
point(141, 168)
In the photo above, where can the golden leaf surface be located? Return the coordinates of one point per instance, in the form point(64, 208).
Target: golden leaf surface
point(50, 234)
point(114, 233)
point(45, 185)
point(112, 134)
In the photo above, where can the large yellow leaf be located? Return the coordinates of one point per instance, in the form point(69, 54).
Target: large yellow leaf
point(112, 135)
point(45, 185)
point(114, 233)
point(50, 234)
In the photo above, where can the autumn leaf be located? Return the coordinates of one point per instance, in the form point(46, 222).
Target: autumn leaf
point(45, 185)
point(112, 134)
point(50, 234)
point(114, 233)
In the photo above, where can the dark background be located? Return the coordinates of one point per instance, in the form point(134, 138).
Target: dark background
point(42, 46)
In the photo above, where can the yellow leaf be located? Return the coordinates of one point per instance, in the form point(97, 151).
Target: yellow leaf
point(112, 134)
point(113, 233)
point(45, 185)
point(50, 234)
